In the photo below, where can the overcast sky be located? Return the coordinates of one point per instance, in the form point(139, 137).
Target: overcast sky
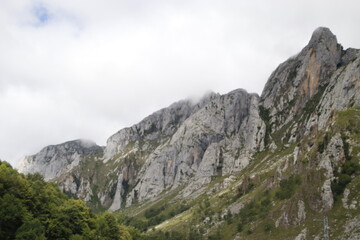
point(85, 69)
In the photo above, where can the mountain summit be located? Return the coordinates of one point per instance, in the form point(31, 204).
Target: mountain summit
point(267, 163)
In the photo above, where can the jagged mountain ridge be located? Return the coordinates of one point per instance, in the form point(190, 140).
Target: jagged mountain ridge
point(183, 147)
point(318, 71)
point(54, 159)
point(322, 50)
point(171, 144)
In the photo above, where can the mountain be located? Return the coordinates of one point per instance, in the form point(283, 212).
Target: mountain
point(52, 160)
point(259, 167)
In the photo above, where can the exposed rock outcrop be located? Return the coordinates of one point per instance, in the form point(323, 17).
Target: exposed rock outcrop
point(54, 160)
point(218, 139)
point(302, 235)
point(186, 144)
point(156, 127)
point(309, 86)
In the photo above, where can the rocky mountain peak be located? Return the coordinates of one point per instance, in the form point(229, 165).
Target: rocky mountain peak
point(282, 152)
point(52, 160)
point(323, 35)
point(324, 49)
point(159, 125)
point(300, 81)
point(79, 146)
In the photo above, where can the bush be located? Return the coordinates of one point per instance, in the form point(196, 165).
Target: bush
point(266, 202)
point(152, 212)
point(342, 179)
point(267, 227)
point(240, 227)
point(339, 184)
point(287, 187)
point(351, 167)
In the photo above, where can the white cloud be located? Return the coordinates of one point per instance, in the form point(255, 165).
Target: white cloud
point(85, 69)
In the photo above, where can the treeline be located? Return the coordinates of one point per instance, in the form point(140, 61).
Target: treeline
point(154, 216)
point(32, 209)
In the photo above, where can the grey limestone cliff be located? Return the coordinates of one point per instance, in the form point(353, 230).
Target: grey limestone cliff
point(304, 90)
point(218, 139)
point(54, 160)
point(186, 144)
point(159, 125)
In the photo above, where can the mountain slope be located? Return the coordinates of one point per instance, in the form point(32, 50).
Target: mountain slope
point(321, 71)
point(261, 167)
point(31, 208)
point(164, 151)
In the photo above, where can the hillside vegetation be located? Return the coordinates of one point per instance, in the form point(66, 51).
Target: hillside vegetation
point(230, 166)
point(31, 208)
point(276, 197)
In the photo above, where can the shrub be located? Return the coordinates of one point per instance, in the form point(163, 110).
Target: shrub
point(343, 178)
point(267, 227)
point(152, 212)
point(240, 227)
point(287, 187)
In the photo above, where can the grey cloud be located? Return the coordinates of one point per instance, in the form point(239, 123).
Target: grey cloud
point(93, 67)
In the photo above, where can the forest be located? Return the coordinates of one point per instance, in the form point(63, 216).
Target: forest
point(32, 209)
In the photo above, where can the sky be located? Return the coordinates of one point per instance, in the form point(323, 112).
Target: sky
point(86, 69)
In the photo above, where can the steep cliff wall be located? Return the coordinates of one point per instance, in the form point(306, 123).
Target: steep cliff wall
point(297, 135)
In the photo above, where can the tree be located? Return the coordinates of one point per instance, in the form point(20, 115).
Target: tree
point(12, 215)
point(107, 227)
point(31, 230)
point(71, 218)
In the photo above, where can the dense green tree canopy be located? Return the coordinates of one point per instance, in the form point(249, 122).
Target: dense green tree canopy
point(31, 208)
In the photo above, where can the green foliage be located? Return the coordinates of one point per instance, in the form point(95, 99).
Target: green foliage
point(246, 186)
point(76, 237)
point(349, 120)
point(346, 148)
point(251, 212)
point(156, 215)
point(152, 212)
point(268, 226)
point(265, 116)
point(340, 183)
point(33, 209)
point(266, 202)
point(31, 229)
point(240, 227)
point(173, 235)
point(323, 143)
point(344, 177)
point(348, 123)
point(351, 168)
point(287, 187)
point(70, 218)
point(107, 227)
point(139, 224)
point(215, 236)
point(12, 216)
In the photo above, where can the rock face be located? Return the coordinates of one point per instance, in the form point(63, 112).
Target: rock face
point(186, 144)
point(218, 139)
point(174, 146)
point(161, 124)
point(54, 160)
point(321, 78)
